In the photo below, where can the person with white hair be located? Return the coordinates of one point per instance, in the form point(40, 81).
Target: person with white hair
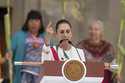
point(97, 49)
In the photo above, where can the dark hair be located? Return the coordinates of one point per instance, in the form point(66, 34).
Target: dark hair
point(61, 22)
point(33, 14)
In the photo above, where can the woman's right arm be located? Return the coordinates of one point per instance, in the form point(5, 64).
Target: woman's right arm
point(9, 52)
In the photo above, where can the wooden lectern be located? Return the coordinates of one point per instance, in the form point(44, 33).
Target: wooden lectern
point(54, 68)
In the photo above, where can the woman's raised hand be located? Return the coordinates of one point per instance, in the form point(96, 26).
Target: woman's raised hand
point(49, 29)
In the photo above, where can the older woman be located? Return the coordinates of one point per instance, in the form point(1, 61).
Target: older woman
point(98, 49)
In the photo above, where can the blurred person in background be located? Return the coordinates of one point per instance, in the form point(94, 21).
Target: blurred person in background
point(27, 46)
point(97, 49)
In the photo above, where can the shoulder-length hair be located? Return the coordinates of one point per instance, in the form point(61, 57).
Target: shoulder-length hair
point(33, 14)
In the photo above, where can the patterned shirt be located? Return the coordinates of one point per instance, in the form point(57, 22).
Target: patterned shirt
point(34, 47)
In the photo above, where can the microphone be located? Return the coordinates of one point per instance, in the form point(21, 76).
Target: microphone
point(63, 40)
point(64, 44)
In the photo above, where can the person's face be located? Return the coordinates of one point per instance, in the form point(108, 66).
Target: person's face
point(64, 32)
point(95, 31)
point(34, 25)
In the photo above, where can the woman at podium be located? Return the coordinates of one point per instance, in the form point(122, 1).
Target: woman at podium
point(64, 49)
